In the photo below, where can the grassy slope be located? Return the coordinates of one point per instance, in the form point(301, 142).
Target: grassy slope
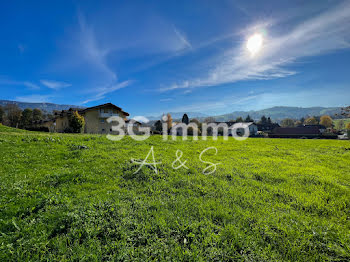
point(270, 199)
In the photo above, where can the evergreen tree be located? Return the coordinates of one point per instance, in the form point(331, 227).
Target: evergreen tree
point(158, 126)
point(248, 119)
point(185, 119)
point(263, 120)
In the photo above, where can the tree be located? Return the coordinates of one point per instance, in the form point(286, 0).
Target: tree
point(13, 114)
point(326, 121)
point(298, 123)
point(287, 122)
point(48, 116)
point(169, 121)
point(248, 119)
point(340, 124)
point(158, 126)
point(76, 122)
point(185, 119)
point(209, 119)
point(345, 112)
point(269, 121)
point(239, 120)
point(2, 114)
point(310, 121)
point(37, 114)
point(348, 129)
point(197, 122)
point(26, 118)
point(263, 120)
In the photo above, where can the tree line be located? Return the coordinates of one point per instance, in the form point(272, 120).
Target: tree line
point(12, 115)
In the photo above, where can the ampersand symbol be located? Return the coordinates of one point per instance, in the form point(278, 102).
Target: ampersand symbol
point(178, 159)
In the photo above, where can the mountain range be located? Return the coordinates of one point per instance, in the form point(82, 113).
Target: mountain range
point(45, 107)
point(276, 113)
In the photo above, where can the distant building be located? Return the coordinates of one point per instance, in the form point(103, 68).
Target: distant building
point(267, 127)
point(322, 128)
point(296, 132)
point(95, 119)
point(253, 129)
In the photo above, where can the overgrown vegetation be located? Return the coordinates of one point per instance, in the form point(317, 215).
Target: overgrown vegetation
point(66, 197)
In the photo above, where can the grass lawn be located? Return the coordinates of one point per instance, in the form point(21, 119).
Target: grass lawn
point(70, 197)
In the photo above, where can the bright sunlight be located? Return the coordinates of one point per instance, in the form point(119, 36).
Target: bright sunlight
point(254, 43)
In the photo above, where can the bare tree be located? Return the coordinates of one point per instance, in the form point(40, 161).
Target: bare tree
point(13, 114)
point(2, 114)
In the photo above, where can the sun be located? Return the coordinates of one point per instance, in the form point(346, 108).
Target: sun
point(254, 43)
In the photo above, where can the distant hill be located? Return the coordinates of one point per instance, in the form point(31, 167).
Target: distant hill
point(46, 107)
point(278, 113)
point(179, 115)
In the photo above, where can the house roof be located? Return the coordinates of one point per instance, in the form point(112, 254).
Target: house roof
point(232, 123)
point(105, 105)
point(296, 131)
point(314, 126)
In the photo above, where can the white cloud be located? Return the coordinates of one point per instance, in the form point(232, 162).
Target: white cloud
point(182, 38)
point(99, 93)
point(28, 84)
point(141, 119)
point(31, 85)
point(319, 35)
point(33, 98)
point(54, 84)
point(90, 50)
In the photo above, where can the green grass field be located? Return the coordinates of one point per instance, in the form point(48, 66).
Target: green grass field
point(75, 197)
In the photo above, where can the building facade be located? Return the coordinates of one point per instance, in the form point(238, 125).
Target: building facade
point(95, 118)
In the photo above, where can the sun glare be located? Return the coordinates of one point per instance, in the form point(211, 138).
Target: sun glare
point(254, 43)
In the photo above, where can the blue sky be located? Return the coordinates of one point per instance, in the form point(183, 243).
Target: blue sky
point(150, 57)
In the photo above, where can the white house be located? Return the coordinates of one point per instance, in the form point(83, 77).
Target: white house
point(253, 129)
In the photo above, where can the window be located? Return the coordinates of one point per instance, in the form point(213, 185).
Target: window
point(103, 129)
point(102, 120)
point(110, 129)
point(105, 110)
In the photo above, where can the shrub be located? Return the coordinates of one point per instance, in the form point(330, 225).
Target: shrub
point(76, 122)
